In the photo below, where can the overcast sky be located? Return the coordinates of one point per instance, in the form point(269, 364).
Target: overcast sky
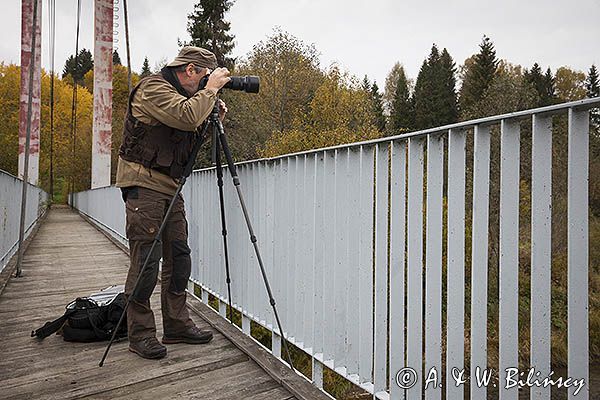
point(364, 37)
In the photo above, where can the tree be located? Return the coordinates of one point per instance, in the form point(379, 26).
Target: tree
point(209, 30)
point(78, 66)
point(399, 101)
point(339, 113)
point(592, 85)
point(116, 58)
point(542, 83)
point(435, 93)
point(64, 163)
point(477, 77)
point(570, 84)
point(377, 100)
point(145, 68)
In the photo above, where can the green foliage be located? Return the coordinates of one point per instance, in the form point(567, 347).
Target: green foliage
point(145, 68)
point(592, 85)
point(435, 94)
point(116, 58)
point(542, 83)
point(570, 84)
point(477, 76)
point(339, 113)
point(377, 106)
point(208, 29)
point(398, 100)
point(509, 91)
point(78, 66)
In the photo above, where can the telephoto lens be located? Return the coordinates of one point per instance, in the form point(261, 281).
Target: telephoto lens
point(249, 83)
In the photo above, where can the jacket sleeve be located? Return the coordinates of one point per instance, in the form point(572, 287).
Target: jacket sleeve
point(162, 102)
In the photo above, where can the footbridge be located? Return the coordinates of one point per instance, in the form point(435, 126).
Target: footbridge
point(405, 266)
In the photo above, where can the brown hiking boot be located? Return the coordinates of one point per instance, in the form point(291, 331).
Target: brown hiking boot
point(193, 335)
point(148, 348)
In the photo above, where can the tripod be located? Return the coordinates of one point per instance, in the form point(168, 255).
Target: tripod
point(219, 142)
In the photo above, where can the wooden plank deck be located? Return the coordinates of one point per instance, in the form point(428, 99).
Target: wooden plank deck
point(69, 258)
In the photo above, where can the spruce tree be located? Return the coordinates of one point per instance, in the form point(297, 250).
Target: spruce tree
point(435, 91)
point(377, 100)
point(449, 101)
point(592, 86)
point(549, 96)
point(145, 68)
point(542, 83)
point(78, 69)
point(401, 108)
point(478, 77)
point(209, 30)
point(116, 58)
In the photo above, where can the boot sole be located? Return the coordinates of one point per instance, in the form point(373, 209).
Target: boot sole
point(147, 356)
point(185, 340)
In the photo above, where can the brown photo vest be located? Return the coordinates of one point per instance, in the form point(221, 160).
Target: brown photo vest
point(159, 147)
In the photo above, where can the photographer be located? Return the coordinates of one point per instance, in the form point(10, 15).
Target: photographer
point(164, 111)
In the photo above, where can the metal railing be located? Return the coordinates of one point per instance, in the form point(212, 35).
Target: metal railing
point(10, 210)
point(357, 239)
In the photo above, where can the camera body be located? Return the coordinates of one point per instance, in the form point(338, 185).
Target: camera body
point(248, 84)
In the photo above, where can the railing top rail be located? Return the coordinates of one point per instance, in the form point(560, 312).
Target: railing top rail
point(553, 109)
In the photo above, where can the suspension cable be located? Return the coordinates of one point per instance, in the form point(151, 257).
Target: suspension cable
point(52, 45)
point(127, 44)
point(74, 104)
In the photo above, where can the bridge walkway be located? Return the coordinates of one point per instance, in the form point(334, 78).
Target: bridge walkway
point(68, 258)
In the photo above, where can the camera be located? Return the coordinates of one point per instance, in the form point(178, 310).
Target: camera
point(249, 83)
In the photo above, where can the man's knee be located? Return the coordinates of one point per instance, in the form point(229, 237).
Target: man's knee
point(182, 266)
point(149, 275)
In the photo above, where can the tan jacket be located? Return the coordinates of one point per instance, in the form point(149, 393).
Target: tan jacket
point(156, 101)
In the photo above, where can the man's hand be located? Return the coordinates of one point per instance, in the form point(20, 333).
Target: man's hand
point(222, 110)
point(218, 79)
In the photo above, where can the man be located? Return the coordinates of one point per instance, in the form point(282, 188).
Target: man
point(164, 111)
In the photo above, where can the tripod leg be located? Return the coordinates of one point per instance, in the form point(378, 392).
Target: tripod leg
point(217, 156)
point(236, 183)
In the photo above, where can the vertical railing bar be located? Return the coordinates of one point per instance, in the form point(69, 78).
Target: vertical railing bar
point(509, 254)
point(433, 266)
point(366, 265)
point(578, 251)
point(541, 231)
point(381, 237)
point(309, 254)
point(397, 266)
point(339, 281)
point(414, 339)
point(455, 325)
point(354, 227)
point(328, 298)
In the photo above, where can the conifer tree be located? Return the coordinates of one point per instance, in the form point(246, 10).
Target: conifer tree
point(377, 100)
point(478, 77)
point(435, 92)
point(78, 69)
point(116, 58)
point(145, 68)
point(592, 86)
point(401, 108)
point(208, 29)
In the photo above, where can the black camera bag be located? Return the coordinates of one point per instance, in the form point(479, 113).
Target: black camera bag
point(86, 321)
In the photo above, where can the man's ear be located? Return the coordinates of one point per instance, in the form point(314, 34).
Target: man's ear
point(189, 70)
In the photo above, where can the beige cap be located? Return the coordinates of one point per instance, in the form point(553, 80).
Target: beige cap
point(195, 55)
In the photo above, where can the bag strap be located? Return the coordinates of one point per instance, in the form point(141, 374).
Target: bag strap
point(52, 326)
